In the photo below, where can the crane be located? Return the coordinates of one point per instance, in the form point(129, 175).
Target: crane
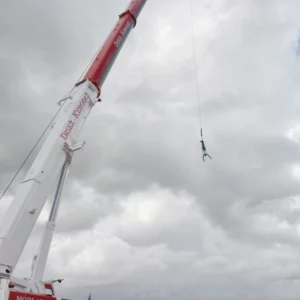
point(52, 162)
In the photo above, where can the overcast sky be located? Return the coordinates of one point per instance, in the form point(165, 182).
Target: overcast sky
point(142, 216)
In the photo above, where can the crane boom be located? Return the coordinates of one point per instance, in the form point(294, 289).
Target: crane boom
point(57, 151)
point(104, 60)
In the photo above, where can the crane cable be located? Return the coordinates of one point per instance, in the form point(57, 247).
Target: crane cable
point(196, 69)
point(44, 132)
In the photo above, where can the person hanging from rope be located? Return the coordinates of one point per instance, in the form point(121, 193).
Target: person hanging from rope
point(204, 152)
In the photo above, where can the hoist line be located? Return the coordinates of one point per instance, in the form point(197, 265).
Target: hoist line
point(44, 132)
point(196, 68)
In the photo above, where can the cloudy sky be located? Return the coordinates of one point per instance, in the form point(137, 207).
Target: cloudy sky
point(142, 216)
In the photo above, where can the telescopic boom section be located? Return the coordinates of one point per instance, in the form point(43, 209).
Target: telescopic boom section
point(104, 60)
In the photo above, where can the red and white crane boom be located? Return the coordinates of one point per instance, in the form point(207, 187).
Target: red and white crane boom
point(53, 160)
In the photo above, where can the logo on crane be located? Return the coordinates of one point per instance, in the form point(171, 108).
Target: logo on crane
point(123, 32)
point(68, 130)
point(27, 298)
point(76, 113)
point(79, 108)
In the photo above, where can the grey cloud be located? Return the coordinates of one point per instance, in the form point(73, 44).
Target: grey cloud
point(145, 133)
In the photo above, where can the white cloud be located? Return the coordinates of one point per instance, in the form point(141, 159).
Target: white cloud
point(103, 252)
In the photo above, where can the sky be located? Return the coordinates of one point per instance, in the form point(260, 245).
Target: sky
point(142, 216)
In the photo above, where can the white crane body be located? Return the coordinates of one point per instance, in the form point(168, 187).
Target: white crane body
point(53, 161)
point(34, 190)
